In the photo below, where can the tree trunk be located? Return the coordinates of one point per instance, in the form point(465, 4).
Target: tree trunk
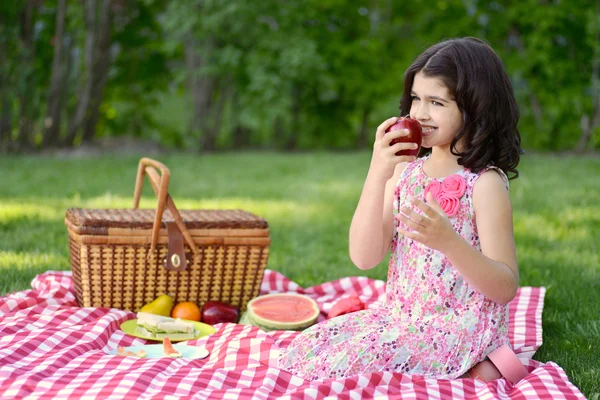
point(26, 96)
point(206, 113)
point(589, 124)
point(241, 135)
point(278, 131)
point(5, 121)
point(89, 125)
point(292, 135)
point(5, 101)
point(87, 78)
point(536, 108)
point(55, 101)
point(102, 63)
point(363, 134)
point(213, 119)
point(375, 17)
point(66, 91)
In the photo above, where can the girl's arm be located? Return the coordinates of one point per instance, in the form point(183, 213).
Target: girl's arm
point(372, 225)
point(498, 277)
point(493, 271)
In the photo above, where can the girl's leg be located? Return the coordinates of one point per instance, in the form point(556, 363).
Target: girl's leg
point(485, 371)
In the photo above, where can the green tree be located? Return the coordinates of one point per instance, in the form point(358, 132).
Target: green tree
point(277, 74)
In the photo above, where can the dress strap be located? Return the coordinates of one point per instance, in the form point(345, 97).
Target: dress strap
point(488, 168)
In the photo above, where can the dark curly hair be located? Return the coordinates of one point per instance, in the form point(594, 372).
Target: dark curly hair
point(477, 81)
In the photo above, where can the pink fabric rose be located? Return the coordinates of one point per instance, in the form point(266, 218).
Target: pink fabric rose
point(448, 193)
point(449, 204)
point(454, 186)
point(434, 188)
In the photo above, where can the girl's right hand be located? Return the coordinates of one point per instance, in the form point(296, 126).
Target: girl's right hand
point(384, 158)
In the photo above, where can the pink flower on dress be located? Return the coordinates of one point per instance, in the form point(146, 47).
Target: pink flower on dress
point(449, 204)
point(435, 188)
point(448, 193)
point(454, 186)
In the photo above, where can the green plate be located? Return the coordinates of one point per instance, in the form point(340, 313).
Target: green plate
point(129, 327)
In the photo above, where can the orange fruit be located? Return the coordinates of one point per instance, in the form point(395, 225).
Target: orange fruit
point(186, 310)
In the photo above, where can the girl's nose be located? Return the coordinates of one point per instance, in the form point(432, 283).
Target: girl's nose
point(419, 112)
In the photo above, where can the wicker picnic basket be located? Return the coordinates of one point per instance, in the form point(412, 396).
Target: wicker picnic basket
point(125, 258)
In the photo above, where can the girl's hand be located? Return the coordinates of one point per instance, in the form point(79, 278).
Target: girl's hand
point(432, 229)
point(384, 158)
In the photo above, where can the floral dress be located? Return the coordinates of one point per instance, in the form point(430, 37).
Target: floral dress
point(432, 323)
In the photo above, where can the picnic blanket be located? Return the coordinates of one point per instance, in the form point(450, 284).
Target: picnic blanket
point(51, 348)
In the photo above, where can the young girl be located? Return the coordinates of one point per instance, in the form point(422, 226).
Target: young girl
point(446, 217)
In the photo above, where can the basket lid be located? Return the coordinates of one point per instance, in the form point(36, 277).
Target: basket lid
point(90, 221)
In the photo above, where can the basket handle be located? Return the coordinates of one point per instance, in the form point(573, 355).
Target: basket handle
point(160, 185)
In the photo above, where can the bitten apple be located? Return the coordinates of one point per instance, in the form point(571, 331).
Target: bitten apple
point(414, 135)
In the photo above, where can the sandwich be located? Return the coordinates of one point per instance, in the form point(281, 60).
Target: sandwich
point(159, 327)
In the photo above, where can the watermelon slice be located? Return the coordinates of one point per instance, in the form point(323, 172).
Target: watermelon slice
point(141, 353)
point(282, 311)
point(169, 349)
point(348, 305)
point(121, 351)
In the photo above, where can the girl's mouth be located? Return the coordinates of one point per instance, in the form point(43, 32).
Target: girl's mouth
point(427, 130)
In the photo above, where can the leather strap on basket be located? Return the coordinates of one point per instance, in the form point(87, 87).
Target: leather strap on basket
point(160, 184)
point(175, 260)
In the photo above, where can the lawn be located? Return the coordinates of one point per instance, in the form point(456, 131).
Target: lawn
point(308, 200)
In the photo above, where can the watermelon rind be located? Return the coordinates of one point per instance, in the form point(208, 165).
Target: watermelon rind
point(277, 327)
point(271, 324)
point(244, 320)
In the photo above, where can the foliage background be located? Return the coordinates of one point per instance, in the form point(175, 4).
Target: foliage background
point(208, 75)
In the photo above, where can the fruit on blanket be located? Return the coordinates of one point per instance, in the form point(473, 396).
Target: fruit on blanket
point(122, 352)
point(186, 310)
point(215, 312)
point(141, 353)
point(162, 305)
point(345, 306)
point(169, 350)
point(414, 135)
point(282, 311)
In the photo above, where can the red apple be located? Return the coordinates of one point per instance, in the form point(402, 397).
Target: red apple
point(414, 135)
point(215, 312)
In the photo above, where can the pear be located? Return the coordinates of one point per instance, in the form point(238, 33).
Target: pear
point(162, 305)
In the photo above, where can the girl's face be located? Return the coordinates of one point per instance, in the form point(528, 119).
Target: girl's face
point(435, 110)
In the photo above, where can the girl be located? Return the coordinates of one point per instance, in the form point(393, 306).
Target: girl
point(448, 220)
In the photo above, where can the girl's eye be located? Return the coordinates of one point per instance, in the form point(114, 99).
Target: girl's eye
point(413, 98)
point(436, 103)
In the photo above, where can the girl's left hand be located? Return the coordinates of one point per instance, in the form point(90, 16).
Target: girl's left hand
point(433, 229)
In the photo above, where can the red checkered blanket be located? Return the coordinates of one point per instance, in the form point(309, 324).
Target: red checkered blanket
point(51, 348)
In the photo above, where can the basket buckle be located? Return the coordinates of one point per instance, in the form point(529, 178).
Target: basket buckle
point(175, 259)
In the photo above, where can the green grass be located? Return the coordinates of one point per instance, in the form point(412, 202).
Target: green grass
point(309, 200)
